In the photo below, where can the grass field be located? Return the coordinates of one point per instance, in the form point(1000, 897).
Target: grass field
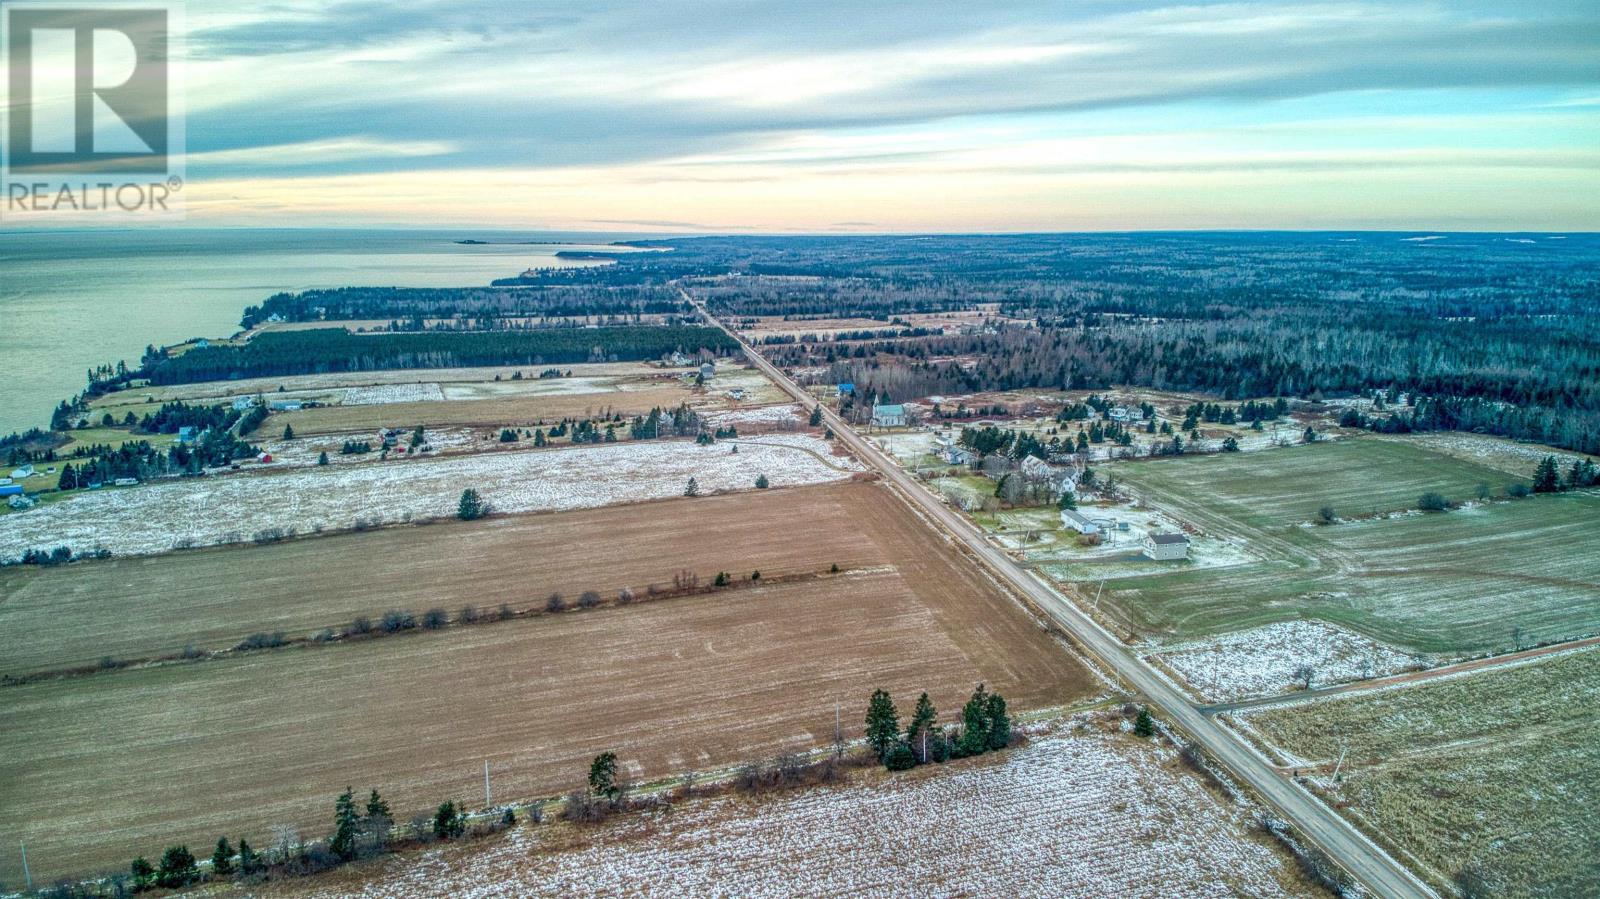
point(147, 757)
point(1441, 582)
point(212, 598)
point(1497, 770)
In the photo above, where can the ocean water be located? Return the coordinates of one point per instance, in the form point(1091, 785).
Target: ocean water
point(73, 300)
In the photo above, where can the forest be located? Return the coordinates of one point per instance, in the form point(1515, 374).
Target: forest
point(1494, 333)
point(482, 308)
point(335, 349)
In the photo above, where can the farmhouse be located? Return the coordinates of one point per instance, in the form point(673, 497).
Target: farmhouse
point(1073, 519)
point(1166, 547)
point(243, 403)
point(1061, 480)
point(25, 471)
point(888, 416)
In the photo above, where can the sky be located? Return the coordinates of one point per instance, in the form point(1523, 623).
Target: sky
point(832, 116)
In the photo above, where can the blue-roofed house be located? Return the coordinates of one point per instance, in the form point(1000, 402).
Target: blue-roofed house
point(186, 434)
point(847, 388)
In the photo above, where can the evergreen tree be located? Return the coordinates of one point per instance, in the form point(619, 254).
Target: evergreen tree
point(471, 506)
point(288, 432)
point(1144, 725)
point(322, 458)
point(883, 723)
point(1230, 445)
point(69, 478)
point(761, 480)
point(1546, 478)
point(141, 875)
point(1069, 501)
point(816, 415)
point(343, 843)
point(918, 732)
point(449, 822)
point(377, 808)
point(975, 723)
point(222, 858)
point(178, 868)
point(603, 776)
point(999, 722)
point(693, 489)
point(249, 862)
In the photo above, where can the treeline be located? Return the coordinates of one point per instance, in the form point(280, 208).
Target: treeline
point(336, 350)
point(485, 306)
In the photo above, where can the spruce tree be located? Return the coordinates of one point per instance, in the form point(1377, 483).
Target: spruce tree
point(376, 807)
point(922, 722)
point(1546, 478)
point(471, 506)
point(322, 458)
point(975, 723)
point(1144, 725)
point(343, 843)
point(999, 722)
point(178, 868)
point(248, 860)
point(141, 875)
point(761, 481)
point(883, 723)
point(449, 822)
point(816, 415)
point(222, 858)
point(693, 489)
point(288, 432)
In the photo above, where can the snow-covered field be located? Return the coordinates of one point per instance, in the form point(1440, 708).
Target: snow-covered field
point(1263, 660)
point(305, 450)
point(1496, 452)
point(393, 393)
point(232, 508)
point(1090, 815)
point(778, 416)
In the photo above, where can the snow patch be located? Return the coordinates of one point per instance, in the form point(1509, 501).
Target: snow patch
point(1264, 660)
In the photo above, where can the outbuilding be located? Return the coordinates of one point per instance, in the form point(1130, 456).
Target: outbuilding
point(10, 489)
point(1166, 547)
point(1075, 520)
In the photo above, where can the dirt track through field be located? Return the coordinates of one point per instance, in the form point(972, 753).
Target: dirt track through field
point(149, 757)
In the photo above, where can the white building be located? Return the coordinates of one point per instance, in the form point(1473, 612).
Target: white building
point(1073, 519)
point(888, 416)
point(1061, 480)
point(1166, 547)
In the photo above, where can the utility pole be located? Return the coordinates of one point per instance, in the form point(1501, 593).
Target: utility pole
point(1342, 750)
point(487, 802)
point(25, 873)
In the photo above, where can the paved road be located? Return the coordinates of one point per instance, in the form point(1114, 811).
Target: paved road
point(1311, 819)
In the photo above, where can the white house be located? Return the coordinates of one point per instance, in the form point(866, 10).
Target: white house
point(957, 455)
point(25, 471)
point(243, 403)
point(888, 416)
point(1080, 523)
point(1061, 480)
point(1166, 547)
